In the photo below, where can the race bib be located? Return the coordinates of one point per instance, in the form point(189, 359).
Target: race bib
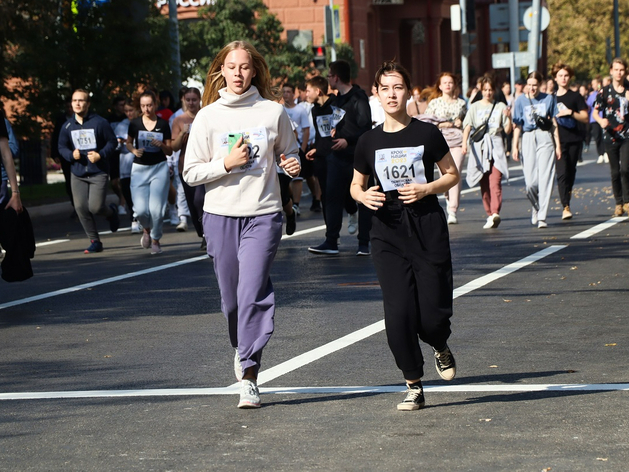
point(397, 167)
point(84, 139)
point(257, 146)
point(145, 138)
point(325, 123)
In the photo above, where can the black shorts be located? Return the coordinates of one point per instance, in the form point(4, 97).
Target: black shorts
point(285, 181)
point(307, 166)
point(114, 166)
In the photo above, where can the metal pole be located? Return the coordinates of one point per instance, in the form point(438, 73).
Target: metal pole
point(616, 30)
point(465, 73)
point(512, 70)
point(332, 46)
point(534, 35)
point(173, 29)
point(514, 36)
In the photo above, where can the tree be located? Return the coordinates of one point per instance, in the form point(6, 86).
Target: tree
point(51, 47)
point(228, 20)
point(578, 31)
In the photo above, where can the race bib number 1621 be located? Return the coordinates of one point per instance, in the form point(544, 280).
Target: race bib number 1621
point(397, 167)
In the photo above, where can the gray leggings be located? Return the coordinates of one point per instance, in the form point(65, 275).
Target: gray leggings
point(89, 194)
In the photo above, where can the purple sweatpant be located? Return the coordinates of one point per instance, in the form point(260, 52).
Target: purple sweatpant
point(243, 249)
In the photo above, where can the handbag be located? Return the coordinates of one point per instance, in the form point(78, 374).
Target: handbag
point(542, 122)
point(479, 132)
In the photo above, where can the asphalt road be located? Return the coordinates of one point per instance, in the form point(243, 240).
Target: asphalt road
point(121, 361)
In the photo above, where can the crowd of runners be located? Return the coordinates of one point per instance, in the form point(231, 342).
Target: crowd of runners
point(232, 161)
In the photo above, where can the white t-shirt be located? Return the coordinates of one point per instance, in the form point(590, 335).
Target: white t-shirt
point(298, 115)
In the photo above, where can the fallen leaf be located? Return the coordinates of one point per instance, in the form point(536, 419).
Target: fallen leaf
point(573, 268)
point(107, 357)
point(507, 301)
point(493, 366)
point(604, 459)
point(485, 419)
point(610, 344)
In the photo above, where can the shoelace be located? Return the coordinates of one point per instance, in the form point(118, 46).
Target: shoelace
point(445, 359)
point(412, 394)
point(250, 389)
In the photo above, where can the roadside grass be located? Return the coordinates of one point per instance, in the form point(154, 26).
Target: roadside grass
point(42, 194)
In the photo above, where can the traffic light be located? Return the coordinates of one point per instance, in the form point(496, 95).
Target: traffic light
point(319, 57)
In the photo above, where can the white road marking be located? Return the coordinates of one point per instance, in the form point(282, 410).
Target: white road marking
point(304, 231)
point(50, 243)
point(96, 283)
point(598, 228)
point(340, 390)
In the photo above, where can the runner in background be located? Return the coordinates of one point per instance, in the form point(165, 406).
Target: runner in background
point(149, 141)
point(572, 112)
point(88, 143)
point(126, 162)
point(410, 243)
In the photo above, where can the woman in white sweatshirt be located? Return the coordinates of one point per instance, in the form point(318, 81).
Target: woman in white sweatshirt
point(234, 144)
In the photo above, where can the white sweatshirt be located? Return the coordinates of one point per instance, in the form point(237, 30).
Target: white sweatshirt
point(252, 189)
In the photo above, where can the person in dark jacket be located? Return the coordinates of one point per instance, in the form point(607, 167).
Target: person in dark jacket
point(352, 119)
point(88, 142)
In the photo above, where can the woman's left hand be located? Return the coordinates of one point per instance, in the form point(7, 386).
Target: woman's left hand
point(412, 193)
point(290, 165)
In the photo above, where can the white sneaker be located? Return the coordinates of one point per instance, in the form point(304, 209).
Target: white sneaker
point(172, 211)
point(600, 159)
point(352, 223)
point(606, 158)
point(122, 210)
point(136, 227)
point(249, 394)
point(533, 216)
point(452, 218)
point(490, 223)
point(237, 366)
point(541, 224)
point(183, 224)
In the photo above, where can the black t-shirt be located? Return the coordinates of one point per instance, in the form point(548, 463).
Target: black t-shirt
point(569, 131)
point(142, 137)
point(4, 133)
point(402, 157)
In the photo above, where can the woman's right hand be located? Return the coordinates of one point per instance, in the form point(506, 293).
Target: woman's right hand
point(238, 156)
point(372, 198)
point(138, 152)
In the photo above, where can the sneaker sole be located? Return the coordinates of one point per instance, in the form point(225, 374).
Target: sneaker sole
point(329, 252)
point(248, 405)
point(410, 406)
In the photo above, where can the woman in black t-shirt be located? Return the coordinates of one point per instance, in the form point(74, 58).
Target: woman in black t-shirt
point(149, 141)
point(572, 111)
point(409, 235)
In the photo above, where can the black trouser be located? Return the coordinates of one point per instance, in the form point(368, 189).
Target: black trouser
point(195, 197)
point(410, 248)
point(597, 135)
point(618, 154)
point(65, 168)
point(125, 188)
point(567, 170)
point(335, 178)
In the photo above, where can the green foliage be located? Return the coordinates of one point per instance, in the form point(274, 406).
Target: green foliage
point(54, 47)
point(577, 34)
point(230, 20)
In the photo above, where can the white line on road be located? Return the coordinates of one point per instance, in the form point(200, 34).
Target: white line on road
point(598, 228)
point(341, 390)
point(96, 283)
point(50, 243)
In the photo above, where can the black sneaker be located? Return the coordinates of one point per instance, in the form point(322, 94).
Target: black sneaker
point(114, 221)
point(414, 398)
point(363, 250)
point(445, 363)
point(291, 223)
point(325, 248)
point(316, 206)
point(96, 246)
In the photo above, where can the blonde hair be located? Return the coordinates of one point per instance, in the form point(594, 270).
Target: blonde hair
point(215, 80)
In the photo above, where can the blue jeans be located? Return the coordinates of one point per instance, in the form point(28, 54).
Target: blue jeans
point(149, 190)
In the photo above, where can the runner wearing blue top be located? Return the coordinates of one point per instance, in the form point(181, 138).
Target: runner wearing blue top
point(533, 115)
